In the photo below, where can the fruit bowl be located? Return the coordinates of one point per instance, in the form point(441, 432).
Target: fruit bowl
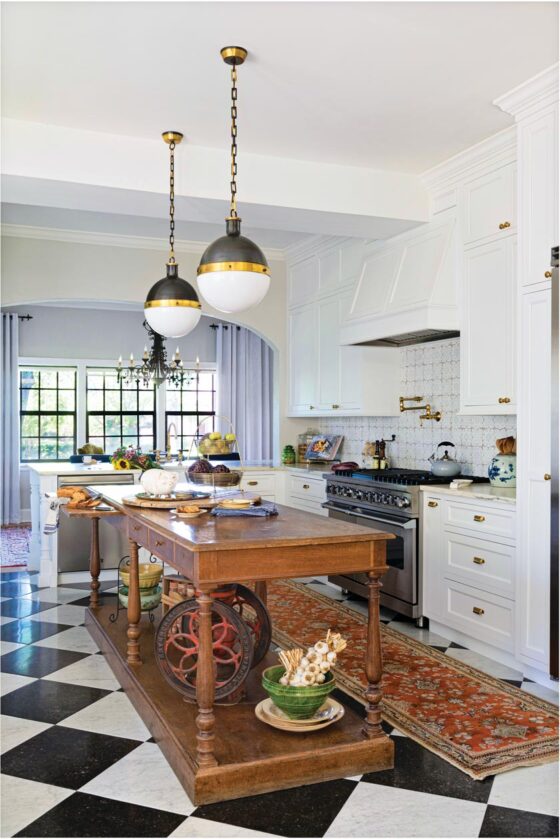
point(148, 572)
point(298, 703)
point(217, 479)
point(214, 443)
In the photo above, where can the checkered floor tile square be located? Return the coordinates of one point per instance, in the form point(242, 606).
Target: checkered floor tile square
point(78, 760)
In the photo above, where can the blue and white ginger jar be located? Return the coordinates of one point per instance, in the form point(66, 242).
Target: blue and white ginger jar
point(502, 471)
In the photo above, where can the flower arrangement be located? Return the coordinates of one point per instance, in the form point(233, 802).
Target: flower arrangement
point(130, 458)
point(311, 668)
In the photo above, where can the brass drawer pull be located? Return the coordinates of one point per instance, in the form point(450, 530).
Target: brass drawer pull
point(479, 518)
point(159, 543)
point(312, 407)
point(478, 560)
point(306, 486)
point(252, 483)
point(137, 527)
point(336, 407)
point(504, 225)
point(432, 503)
point(477, 610)
point(548, 274)
point(504, 400)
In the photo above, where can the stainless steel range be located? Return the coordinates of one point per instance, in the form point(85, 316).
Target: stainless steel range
point(388, 500)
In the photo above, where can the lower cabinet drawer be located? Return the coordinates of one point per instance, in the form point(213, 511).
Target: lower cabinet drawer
point(480, 520)
point(307, 488)
point(480, 563)
point(261, 484)
point(160, 546)
point(309, 506)
point(479, 614)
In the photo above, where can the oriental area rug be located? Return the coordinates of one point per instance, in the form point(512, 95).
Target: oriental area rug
point(478, 723)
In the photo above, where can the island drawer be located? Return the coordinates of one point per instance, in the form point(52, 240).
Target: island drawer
point(160, 546)
point(479, 614)
point(478, 562)
point(307, 488)
point(138, 533)
point(480, 519)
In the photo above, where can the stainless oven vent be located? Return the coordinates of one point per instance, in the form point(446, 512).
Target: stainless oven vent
point(406, 339)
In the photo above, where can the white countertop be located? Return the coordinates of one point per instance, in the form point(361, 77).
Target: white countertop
point(482, 491)
point(74, 469)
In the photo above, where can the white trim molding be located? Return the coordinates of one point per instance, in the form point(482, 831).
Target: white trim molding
point(539, 92)
point(115, 240)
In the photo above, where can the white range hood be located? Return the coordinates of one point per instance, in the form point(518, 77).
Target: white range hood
point(407, 289)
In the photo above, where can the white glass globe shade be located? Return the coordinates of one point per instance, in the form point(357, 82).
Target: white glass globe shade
point(172, 321)
point(233, 291)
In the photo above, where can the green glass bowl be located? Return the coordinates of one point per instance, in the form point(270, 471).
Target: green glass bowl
point(298, 703)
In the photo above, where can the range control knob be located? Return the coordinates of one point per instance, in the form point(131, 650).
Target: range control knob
point(403, 502)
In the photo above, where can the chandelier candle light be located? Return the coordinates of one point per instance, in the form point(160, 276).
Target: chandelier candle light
point(155, 367)
point(172, 307)
point(233, 274)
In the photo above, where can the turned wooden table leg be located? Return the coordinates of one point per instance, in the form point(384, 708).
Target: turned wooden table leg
point(94, 564)
point(261, 590)
point(374, 661)
point(133, 610)
point(205, 680)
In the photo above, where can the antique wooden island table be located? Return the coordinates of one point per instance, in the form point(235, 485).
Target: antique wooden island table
point(221, 752)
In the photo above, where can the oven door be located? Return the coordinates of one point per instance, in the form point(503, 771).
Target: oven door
point(400, 582)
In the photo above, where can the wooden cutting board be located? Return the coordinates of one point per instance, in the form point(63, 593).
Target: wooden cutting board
point(208, 503)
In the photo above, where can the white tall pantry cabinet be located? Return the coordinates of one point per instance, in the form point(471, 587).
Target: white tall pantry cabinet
point(535, 108)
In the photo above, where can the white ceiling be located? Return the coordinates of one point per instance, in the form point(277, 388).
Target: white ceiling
point(391, 85)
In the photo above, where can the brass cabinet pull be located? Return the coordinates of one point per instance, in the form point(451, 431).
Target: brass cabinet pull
point(504, 225)
point(335, 407)
point(137, 527)
point(477, 610)
point(252, 483)
point(312, 407)
point(478, 560)
point(432, 503)
point(479, 518)
point(548, 274)
point(504, 400)
point(306, 486)
point(547, 476)
point(159, 543)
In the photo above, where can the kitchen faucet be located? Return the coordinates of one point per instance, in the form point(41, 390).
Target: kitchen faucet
point(168, 441)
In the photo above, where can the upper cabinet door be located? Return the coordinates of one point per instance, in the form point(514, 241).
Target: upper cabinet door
point(489, 206)
point(303, 281)
point(329, 354)
point(488, 329)
point(538, 194)
point(303, 330)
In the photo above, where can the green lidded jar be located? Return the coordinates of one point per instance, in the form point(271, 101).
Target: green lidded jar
point(288, 455)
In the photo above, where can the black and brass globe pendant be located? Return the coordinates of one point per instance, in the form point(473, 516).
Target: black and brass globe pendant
point(233, 274)
point(172, 307)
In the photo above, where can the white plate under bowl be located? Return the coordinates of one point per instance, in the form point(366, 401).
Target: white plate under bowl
point(267, 712)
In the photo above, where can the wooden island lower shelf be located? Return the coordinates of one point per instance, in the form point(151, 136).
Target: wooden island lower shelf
point(252, 757)
point(221, 751)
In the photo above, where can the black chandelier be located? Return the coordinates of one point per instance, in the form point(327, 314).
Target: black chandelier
point(154, 367)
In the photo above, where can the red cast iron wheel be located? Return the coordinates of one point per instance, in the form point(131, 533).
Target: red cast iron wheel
point(176, 648)
point(255, 615)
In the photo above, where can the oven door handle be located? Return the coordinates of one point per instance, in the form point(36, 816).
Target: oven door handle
point(409, 524)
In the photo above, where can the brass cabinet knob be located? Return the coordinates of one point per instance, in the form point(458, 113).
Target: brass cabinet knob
point(335, 407)
point(547, 476)
point(306, 486)
point(478, 560)
point(479, 518)
point(548, 274)
point(252, 483)
point(504, 225)
point(504, 400)
point(477, 610)
point(432, 503)
point(312, 407)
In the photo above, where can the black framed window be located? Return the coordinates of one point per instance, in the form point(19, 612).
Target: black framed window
point(187, 405)
point(119, 414)
point(47, 413)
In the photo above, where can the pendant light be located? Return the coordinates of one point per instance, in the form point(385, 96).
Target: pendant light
point(233, 274)
point(172, 307)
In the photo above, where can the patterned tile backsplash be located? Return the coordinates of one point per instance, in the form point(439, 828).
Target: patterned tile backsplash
point(431, 371)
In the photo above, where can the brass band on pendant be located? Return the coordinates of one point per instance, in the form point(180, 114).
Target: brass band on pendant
point(151, 304)
point(254, 267)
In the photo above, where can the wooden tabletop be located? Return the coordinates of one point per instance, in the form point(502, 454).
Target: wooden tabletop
point(217, 533)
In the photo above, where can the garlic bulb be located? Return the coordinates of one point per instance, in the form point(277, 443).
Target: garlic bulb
point(325, 667)
point(321, 647)
point(331, 656)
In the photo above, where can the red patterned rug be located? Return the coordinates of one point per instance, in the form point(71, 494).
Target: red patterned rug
point(474, 721)
point(14, 546)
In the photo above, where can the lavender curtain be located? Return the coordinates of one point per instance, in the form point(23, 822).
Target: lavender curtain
point(9, 432)
point(244, 370)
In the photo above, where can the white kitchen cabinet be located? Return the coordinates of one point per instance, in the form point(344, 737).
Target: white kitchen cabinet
point(303, 342)
point(538, 194)
point(488, 295)
point(533, 488)
point(303, 280)
point(306, 493)
point(489, 206)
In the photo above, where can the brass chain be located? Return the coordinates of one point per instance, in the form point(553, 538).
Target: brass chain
point(172, 201)
point(233, 183)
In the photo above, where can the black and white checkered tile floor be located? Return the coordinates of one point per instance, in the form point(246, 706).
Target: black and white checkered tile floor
point(78, 761)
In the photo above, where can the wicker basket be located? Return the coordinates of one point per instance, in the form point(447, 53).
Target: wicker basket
point(215, 479)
